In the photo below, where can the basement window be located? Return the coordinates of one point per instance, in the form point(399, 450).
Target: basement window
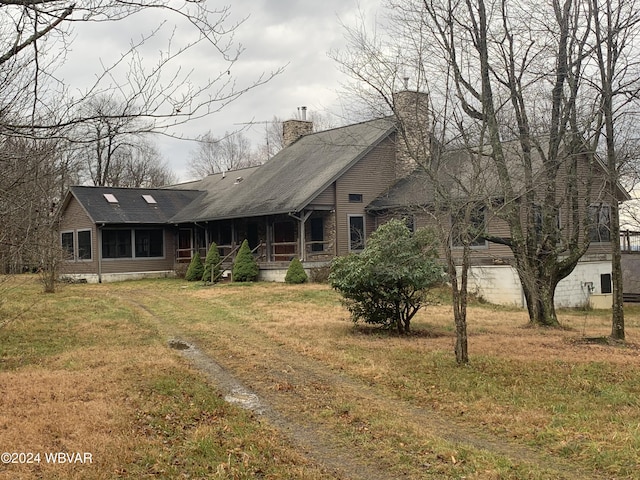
point(110, 197)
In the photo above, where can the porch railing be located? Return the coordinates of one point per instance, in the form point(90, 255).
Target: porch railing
point(630, 241)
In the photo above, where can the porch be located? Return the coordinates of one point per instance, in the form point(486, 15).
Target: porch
point(274, 240)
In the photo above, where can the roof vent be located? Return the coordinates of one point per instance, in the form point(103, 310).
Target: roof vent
point(110, 197)
point(149, 199)
point(238, 180)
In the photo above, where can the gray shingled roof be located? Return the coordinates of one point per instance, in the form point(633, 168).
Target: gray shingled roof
point(131, 206)
point(290, 180)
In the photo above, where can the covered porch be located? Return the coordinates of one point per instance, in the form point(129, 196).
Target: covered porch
point(274, 239)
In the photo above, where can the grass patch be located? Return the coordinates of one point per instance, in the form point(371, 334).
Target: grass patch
point(96, 357)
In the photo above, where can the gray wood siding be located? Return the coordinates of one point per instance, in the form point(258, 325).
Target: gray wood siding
point(328, 197)
point(373, 174)
point(75, 218)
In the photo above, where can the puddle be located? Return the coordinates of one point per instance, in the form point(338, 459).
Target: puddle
point(179, 344)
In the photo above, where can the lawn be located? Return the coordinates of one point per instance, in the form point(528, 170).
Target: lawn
point(88, 370)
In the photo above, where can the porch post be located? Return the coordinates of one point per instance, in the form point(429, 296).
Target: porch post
point(269, 236)
point(303, 244)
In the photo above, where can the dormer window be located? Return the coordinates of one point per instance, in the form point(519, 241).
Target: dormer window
point(110, 197)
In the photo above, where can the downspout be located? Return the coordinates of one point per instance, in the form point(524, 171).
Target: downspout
point(99, 230)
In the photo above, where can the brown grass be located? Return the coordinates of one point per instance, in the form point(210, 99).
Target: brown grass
point(89, 370)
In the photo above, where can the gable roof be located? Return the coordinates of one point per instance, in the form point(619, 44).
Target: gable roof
point(290, 180)
point(131, 206)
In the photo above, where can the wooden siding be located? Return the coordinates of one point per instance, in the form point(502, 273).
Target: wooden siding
point(326, 198)
point(73, 219)
point(373, 174)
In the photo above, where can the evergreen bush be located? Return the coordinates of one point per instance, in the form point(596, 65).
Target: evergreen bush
point(245, 267)
point(386, 284)
point(295, 272)
point(212, 267)
point(194, 272)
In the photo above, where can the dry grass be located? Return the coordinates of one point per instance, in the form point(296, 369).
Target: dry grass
point(88, 370)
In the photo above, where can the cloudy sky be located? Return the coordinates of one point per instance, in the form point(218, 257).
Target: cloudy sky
point(295, 34)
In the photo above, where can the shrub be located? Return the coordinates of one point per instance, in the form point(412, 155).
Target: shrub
point(320, 274)
point(212, 264)
point(194, 272)
point(295, 272)
point(245, 267)
point(386, 284)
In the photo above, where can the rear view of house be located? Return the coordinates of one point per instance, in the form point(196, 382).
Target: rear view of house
point(318, 198)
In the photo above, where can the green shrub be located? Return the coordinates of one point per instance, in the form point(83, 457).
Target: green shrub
point(245, 267)
point(295, 272)
point(387, 282)
point(194, 272)
point(212, 264)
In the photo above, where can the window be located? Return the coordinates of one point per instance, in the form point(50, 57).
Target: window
point(120, 243)
point(81, 239)
point(317, 234)
point(356, 233)
point(66, 239)
point(468, 232)
point(605, 283)
point(110, 197)
point(600, 223)
point(84, 245)
point(149, 243)
point(355, 198)
point(116, 244)
point(538, 219)
point(149, 199)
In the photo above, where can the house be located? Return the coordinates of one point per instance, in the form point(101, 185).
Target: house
point(318, 198)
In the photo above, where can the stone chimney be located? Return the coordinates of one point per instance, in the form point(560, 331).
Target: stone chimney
point(292, 130)
point(413, 141)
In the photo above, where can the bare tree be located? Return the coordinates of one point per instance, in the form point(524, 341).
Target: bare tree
point(140, 165)
point(213, 155)
point(521, 73)
point(134, 95)
point(616, 29)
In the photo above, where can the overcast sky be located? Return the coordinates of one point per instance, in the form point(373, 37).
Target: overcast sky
point(297, 34)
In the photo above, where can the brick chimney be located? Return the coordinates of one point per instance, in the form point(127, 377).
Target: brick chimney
point(413, 141)
point(292, 130)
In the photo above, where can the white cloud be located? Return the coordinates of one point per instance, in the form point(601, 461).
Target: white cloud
point(295, 33)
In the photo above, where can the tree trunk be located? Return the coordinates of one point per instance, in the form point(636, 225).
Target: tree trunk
point(540, 301)
point(617, 311)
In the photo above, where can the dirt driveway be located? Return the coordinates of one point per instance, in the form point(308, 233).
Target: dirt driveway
point(294, 392)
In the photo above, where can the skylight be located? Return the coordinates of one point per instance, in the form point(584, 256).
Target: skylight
point(110, 197)
point(149, 199)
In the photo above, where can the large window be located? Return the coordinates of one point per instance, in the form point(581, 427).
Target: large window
point(119, 243)
point(76, 245)
point(317, 234)
point(468, 230)
point(356, 233)
point(600, 223)
point(116, 244)
point(149, 243)
point(66, 239)
point(84, 245)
